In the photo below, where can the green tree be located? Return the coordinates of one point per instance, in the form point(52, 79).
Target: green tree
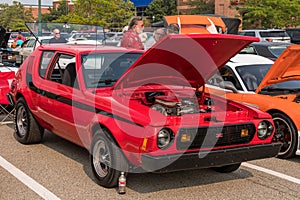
point(269, 13)
point(159, 8)
point(13, 17)
point(54, 14)
point(108, 13)
point(201, 6)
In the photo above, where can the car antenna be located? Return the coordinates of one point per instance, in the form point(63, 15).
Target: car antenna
point(36, 37)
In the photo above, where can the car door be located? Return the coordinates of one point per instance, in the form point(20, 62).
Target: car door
point(55, 102)
point(27, 48)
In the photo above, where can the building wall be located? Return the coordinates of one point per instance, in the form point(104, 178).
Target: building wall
point(222, 7)
point(35, 10)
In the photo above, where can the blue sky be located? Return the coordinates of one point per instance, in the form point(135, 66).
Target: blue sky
point(29, 2)
point(49, 2)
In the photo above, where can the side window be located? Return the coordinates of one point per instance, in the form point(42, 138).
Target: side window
point(250, 33)
point(45, 60)
point(228, 75)
point(248, 50)
point(30, 43)
point(64, 70)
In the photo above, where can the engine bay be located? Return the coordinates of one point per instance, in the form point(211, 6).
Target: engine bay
point(180, 103)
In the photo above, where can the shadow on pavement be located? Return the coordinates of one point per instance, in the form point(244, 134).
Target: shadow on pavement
point(146, 182)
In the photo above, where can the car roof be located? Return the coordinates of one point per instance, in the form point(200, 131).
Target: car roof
point(263, 30)
point(248, 59)
point(76, 48)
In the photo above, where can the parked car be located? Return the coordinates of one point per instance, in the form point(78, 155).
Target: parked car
point(113, 38)
point(269, 50)
point(140, 112)
point(87, 36)
point(31, 44)
point(273, 88)
point(8, 56)
point(294, 33)
point(267, 35)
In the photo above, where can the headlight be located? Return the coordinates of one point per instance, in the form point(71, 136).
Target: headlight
point(264, 129)
point(164, 138)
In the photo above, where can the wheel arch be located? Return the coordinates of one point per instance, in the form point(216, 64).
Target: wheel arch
point(98, 126)
point(19, 95)
point(110, 136)
point(272, 111)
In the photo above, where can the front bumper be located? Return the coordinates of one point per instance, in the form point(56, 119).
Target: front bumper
point(208, 159)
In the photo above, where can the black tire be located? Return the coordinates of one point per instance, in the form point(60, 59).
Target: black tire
point(285, 132)
point(27, 130)
point(106, 171)
point(227, 168)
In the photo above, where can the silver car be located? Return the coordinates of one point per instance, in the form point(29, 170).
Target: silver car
point(267, 35)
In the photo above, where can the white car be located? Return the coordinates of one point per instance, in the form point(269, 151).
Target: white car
point(233, 72)
point(267, 35)
point(272, 87)
point(31, 44)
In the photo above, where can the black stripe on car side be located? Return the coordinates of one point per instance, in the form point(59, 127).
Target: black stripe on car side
point(70, 102)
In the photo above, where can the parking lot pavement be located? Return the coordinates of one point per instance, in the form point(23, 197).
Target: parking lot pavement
point(63, 169)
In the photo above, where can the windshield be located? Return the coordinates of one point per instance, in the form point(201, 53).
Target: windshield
point(65, 32)
point(277, 50)
point(273, 34)
point(287, 87)
point(104, 69)
point(252, 75)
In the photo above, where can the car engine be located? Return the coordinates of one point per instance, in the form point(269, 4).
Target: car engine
point(174, 106)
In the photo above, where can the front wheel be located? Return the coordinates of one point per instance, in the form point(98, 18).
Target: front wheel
point(27, 130)
point(107, 161)
point(286, 133)
point(227, 168)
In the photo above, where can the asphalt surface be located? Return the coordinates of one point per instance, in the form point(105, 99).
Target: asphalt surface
point(58, 169)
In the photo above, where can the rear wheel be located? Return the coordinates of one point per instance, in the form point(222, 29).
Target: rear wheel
point(227, 168)
point(107, 160)
point(27, 130)
point(286, 133)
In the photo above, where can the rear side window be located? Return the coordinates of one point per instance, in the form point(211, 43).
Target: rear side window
point(248, 33)
point(45, 60)
point(273, 34)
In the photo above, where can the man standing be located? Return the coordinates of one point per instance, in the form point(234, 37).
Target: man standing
point(57, 38)
point(131, 37)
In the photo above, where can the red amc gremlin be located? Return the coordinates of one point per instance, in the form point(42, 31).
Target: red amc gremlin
point(141, 111)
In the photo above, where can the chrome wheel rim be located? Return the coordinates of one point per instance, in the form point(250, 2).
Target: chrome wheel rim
point(101, 158)
point(22, 121)
point(284, 130)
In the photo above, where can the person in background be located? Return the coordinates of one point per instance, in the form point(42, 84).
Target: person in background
point(57, 38)
point(20, 37)
point(173, 28)
point(19, 41)
point(131, 37)
point(157, 35)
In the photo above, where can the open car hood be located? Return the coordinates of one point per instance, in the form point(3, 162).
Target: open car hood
point(183, 60)
point(195, 23)
point(285, 68)
point(4, 37)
